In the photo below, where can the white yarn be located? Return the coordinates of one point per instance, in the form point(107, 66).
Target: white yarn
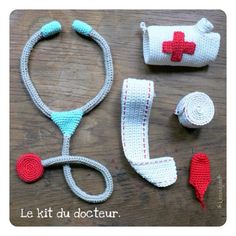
point(195, 110)
point(207, 44)
point(136, 103)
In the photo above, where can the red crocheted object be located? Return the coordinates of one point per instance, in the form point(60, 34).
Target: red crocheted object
point(29, 167)
point(200, 175)
point(178, 47)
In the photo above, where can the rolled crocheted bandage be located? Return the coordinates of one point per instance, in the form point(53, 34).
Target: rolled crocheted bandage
point(200, 175)
point(195, 110)
point(136, 104)
point(193, 45)
point(29, 167)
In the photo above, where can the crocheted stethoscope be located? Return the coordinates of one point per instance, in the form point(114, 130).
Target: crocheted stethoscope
point(29, 166)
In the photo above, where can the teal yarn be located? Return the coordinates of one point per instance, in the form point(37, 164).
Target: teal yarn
point(81, 27)
point(67, 121)
point(51, 28)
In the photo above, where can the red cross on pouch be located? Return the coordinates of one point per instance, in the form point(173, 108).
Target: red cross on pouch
point(178, 47)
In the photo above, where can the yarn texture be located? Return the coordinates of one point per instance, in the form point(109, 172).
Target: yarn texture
point(200, 175)
point(194, 45)
point(51, 28)
point(30, 167)
point(195, 110)
point(136, 103)
point(178, 47)
point(82, 27)
point(67, 121)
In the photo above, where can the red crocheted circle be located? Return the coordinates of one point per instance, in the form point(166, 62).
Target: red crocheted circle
point(29, 167)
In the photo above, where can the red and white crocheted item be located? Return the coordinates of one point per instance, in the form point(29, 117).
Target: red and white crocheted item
point(200, 175)
point(181, 45)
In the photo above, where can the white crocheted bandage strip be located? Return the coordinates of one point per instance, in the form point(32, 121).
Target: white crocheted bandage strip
point(195, 110)
point(206, 43)
point(136, 104)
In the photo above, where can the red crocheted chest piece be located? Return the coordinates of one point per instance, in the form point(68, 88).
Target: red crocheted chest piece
point(178, 47)
point(200, 175)
point(29, 167)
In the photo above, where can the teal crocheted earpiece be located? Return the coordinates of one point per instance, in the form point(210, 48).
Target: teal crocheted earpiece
point(51, 28)
point(81, 27)
point(29, 166)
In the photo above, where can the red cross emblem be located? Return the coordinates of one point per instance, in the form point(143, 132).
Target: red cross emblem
point(178, 47)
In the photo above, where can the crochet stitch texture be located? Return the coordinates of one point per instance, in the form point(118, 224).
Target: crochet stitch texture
point(195, 110)
point(136, 103)
point(178, 47)
point(29, 166)
point(67, 121)
point(194, 45)
point(200, 175)
point(51, 29)
point(82, 27)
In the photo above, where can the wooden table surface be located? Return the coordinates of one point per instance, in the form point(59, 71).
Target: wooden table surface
point(67, 71)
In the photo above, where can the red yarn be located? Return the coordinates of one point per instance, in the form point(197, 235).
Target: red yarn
point(200, 175)
point(178, 47)
point(29, 167)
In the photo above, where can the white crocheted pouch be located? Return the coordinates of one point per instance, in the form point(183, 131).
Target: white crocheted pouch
point(194, 45)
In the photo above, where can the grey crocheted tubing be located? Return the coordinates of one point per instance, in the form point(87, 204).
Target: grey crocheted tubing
point(24, 70)
point(65, 160)
point(108, 69)
point(24, 62)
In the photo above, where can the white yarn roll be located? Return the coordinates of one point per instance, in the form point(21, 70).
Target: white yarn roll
point(195, 110)
point(207, 44)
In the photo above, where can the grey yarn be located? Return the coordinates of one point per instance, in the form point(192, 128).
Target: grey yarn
point(65, 159)
point(109, 72)
point(24, 62)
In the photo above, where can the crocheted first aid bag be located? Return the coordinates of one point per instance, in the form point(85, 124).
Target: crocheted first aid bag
point(193, 45)
point(29, 166)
